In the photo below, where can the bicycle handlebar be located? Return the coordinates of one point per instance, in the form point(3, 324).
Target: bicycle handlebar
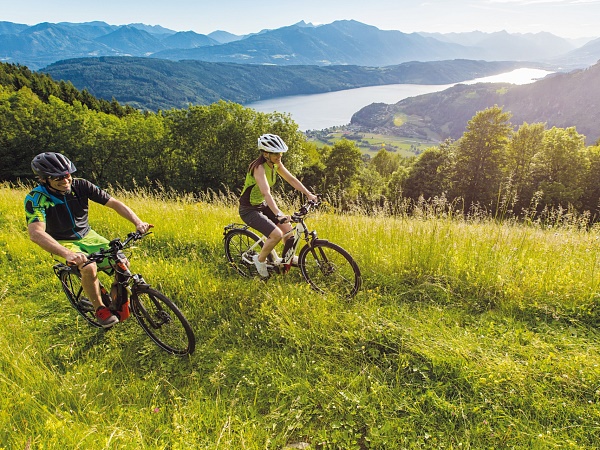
point(305, 209)
point(114, 246)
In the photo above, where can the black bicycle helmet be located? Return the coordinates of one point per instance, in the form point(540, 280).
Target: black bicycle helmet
point(272, 143)
point(50, 164)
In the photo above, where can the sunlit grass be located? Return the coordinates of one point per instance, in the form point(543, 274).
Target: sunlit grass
point(371, 143)
point(467, 334)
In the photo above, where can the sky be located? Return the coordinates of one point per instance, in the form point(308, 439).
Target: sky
point(565, 18)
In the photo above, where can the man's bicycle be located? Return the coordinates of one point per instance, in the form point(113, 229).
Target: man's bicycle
point(327, 267)
point(158, 316)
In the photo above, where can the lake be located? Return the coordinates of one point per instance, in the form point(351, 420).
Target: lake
point(319, 111)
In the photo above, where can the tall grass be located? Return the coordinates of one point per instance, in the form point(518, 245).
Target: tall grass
point(467, 334)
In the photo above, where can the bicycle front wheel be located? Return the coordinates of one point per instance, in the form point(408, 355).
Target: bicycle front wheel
point(162, 320)
point(237, 250)
point(328, 268)
point(71, 285)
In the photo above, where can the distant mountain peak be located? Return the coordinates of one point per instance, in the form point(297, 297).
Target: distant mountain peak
point(130, 40)
point(224, 37)
point(152, 29)
point(302, 23)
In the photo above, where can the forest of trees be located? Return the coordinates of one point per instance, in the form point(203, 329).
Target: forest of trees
point(494, 167)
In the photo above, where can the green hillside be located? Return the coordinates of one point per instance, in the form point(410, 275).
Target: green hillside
point(466, 335)
point(561, 100)
point(153, 84)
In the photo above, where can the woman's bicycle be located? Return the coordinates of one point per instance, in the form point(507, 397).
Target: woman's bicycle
point(327, 267)
point(158, 316)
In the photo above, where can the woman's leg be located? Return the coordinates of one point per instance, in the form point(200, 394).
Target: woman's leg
point(270, 244)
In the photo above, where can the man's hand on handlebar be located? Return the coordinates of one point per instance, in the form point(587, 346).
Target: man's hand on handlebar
point(143, 227)
point(76, 259)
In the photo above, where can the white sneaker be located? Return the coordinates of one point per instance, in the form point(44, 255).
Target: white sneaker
point(261, 267)
point(293, 262)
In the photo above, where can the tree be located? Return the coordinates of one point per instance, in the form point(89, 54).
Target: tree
point(559, 166)
point(313, 170)
point(428, 177)
point(24, 132)
point(479, 156)
point(590, 198)
point(394, 190)
point(212, 146)
point(520, 152)
point(385, 163)
point(342, 166)
point(371, 184)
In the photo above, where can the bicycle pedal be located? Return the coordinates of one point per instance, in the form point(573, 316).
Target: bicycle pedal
point(86, 305)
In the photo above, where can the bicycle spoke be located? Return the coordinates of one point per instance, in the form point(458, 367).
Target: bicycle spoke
point(237, 244)
point(163, 321)
point(330, 269)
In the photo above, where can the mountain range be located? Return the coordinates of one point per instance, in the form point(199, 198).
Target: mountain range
point(338, 43)
point(153, 84)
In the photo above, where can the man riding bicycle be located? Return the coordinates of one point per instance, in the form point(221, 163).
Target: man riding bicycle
point(57, 220)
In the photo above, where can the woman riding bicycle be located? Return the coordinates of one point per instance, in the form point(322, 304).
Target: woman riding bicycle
point(257, 206)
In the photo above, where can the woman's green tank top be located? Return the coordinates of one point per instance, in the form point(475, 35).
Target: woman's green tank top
point(255, 197)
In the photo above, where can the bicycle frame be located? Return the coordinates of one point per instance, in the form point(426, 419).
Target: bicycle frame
point(118, 267)
point(299, 232)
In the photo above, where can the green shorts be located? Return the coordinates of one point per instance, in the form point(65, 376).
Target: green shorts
point(90, 243)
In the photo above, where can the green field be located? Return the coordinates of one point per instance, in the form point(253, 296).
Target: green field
point(467, 335)
point(371, 143)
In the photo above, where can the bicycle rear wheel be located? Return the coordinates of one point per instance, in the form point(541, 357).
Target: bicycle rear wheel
point(71, 285)
point(237, 244)
point(328, 268)
point(162, 320)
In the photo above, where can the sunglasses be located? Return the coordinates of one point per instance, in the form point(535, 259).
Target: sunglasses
point(62, 177)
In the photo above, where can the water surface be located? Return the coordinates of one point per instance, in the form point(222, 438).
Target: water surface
point(319, 111)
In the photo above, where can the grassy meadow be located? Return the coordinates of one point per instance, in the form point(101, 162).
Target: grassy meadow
point(371, 143)
point(466, 335)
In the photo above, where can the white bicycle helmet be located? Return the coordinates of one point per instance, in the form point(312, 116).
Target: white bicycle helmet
point(272, 143)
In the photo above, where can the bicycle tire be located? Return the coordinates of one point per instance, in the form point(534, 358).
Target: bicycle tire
point(163, 321)
point(71, 285)
point(237, 242)
point(328, 268)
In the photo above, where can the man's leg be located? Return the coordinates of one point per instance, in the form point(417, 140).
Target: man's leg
point(89, 275)
point(90, 284)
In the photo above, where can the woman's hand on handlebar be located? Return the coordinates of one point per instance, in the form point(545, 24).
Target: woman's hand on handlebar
point(283, 219)
point(313, 198)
